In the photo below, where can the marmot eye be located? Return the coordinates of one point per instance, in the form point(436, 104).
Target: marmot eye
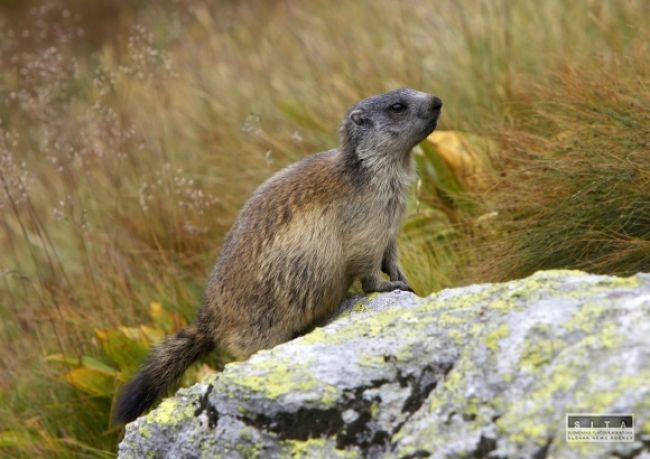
point(398, 107)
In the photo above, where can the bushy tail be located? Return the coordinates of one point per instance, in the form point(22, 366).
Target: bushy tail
point(166, 363)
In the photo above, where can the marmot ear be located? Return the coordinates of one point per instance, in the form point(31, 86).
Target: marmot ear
point(358, 117)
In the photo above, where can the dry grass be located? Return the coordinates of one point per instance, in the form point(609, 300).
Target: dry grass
point(122, 164)
point(573, 189)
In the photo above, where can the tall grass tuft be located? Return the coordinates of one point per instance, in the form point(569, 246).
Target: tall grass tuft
point(574, 190)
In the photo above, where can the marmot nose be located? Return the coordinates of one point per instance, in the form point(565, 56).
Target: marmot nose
point(436, 103)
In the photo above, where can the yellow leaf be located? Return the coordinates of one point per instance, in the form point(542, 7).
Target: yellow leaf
point(15, 439)
point(101, 334)
point(63, 358)
point(464, 153)
point(155, 310)
point(162, 318)
point(91, 381)
point(166, 320)
point(153, 335)
point(133, 333)
point(98, 365)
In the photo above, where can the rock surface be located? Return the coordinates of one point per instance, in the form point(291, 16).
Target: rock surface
point(481, 371)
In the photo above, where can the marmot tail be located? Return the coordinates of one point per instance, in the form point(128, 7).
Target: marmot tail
point(166, 363)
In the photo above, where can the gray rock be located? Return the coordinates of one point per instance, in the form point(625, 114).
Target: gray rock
point(486, 370)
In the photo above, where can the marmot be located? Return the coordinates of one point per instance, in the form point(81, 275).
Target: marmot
point(300, 241)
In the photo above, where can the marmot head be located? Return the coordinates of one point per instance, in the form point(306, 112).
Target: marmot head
point(390, 124)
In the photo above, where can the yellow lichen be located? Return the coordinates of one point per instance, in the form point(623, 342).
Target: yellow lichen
point(457, 336)
point(492, 339)
point(585, 318)
point(314, 447)
point(538, 353)
point(317, 335)
point(144, 431)
point(164, 413)
point(450, 318)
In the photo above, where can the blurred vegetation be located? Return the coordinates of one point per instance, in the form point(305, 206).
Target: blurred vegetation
point(132, 132)
point(123, 349)
point(574, 184)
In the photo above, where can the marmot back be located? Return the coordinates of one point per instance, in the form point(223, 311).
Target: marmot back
point(300, 241)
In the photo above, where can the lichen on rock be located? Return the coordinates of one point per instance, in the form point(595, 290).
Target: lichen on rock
point(487, 370)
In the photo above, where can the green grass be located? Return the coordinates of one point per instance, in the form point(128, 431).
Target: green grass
point(126, 152)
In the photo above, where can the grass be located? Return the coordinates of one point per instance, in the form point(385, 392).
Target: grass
point(127, 147)
point(573, 188)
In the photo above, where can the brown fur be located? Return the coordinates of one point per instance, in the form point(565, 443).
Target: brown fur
point(300, 241)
